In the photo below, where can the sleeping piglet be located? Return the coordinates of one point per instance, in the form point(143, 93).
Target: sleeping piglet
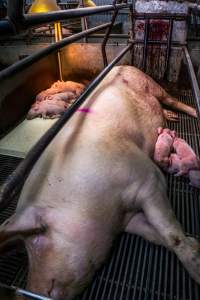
point(47, 109)
point(163, 146)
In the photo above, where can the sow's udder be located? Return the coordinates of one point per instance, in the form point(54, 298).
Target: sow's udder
point(53, 102)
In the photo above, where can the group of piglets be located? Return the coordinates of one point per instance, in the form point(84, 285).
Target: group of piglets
point(175, 156)
point(54, 101)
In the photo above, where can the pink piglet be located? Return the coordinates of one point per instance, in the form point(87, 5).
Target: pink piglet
point(163, 146)
point(189, 160)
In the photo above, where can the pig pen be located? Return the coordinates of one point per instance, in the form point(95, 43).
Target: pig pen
point(136, 269)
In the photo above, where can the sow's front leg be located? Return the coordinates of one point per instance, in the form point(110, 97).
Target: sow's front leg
point(156, 222)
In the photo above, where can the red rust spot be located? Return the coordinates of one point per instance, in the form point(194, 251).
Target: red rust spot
point(158, 30)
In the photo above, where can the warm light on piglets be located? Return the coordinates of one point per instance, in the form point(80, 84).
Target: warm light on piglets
point(47, 109)
point(53, 102)
point(95, 180)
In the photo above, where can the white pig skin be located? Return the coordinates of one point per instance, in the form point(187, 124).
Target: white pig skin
point(95, 180)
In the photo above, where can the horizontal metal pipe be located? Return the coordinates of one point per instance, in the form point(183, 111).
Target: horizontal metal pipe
point(18, 177)
point(6, 28)
point(160, 43)
point(12, 290)
point(22, 21)
point(28, 61)
point(164, 16)
point(195, 86)
point(42, 18)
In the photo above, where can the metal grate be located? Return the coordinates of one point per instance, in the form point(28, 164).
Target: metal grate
point(137, 270)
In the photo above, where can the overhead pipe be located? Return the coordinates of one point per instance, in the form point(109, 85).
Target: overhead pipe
point(39, 19)
point(16, 180)
point(18, 21)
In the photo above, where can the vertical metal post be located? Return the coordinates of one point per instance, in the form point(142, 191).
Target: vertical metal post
point(15, 12)
point(84, 24)
point(108, 31)
point(146, 36)
point(168, 50)
point(58, 37)
point(132, 31)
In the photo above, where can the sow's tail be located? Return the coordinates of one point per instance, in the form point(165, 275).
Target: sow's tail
point(177, 105)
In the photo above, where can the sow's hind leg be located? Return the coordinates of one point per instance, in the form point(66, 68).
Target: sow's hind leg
point(158, 224)
point(175, 104)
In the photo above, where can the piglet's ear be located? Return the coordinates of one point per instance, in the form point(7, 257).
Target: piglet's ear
point(22, 224)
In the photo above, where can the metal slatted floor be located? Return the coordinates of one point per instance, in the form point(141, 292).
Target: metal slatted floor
point(136, 269)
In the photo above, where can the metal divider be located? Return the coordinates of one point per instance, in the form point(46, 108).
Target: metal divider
point(152, 16)
point(16, 180)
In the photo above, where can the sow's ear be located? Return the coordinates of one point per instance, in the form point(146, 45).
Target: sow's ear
point(21, 225)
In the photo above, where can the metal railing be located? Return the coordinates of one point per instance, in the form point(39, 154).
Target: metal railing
point(16, 180)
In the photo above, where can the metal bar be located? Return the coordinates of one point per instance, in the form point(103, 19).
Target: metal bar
point(168, 50)
point(26, 21)
point(12, 290)
point(28, 61)
point(15, 13)
point(160, 43)
point(17, 178)
point(195, 86)
point(132, 32)
point(39, 19)
point(6, 28)
point(84, 24)
point(58, 36)
point(177, 17)
point(107, 35)
point(146, 35)
point(22, 21)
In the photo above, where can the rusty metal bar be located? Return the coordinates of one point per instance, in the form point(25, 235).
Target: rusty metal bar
point(177, 17)
point(12, 291)
point(160, 43)
point(132, 33)
point(193, 79)
point(20, 65)
point(17, 178)
point(146, 36)
point(168, 50)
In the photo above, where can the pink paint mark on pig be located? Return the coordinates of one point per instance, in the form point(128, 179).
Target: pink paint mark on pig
point(85, 110)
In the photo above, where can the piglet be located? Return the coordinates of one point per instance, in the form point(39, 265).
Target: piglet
point(47, 109)
point(60, 87)
point(163, 146)
point(189, 160)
